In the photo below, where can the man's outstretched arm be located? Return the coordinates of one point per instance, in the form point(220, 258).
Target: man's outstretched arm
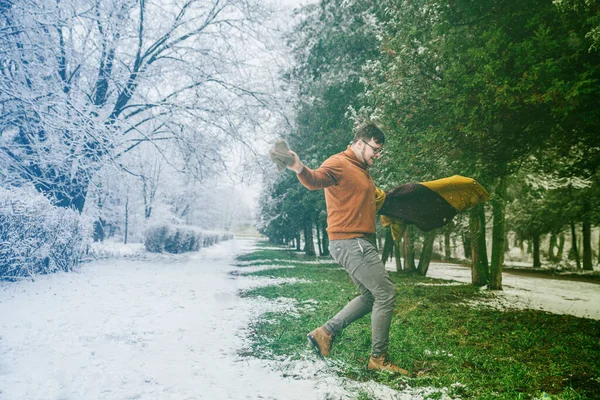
point(327, 174)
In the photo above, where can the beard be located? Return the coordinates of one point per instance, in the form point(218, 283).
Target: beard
point(364, 158)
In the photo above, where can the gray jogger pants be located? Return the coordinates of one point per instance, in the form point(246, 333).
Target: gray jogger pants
point(377, 293)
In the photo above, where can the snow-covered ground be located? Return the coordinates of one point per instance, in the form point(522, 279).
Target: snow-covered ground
point(165, 327)
point(559, 296)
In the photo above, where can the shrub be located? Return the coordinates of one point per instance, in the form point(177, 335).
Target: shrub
point(155, 238)
point(35, 236)
point(180, 238)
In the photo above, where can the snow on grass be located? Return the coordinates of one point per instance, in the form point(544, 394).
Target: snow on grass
point(320, 372)
point(261, 281)
point(581, 299)
point(316, 262)
point(121, 329)
point(162, 327)
point(440, 284)
point(284, 261)
point(274, 248)
point(110, 249)
point(173, 327)
point(257, 268)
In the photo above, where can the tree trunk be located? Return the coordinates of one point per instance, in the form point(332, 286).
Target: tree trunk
point(388, 246)
point(309, 244)
point(126, 219)
point(447, 250)
point(425, 258)
point(498, 237)
point(319, 244)
point(99, 232)
point(587, 238)
point(536, 250)
point(297, 241)
point(466, 239)
point(409, 250)
point(551, 247)
point(325, 239)
point(522, 248)
point(479, 261)
point(561, 246)
point(398, 256)
point(391, 249)
point(574, 253)
point(66, 191)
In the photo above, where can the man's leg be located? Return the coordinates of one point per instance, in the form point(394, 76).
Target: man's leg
point(360, 259)
point(355, 309)
point(375, 278)
point(343, 251)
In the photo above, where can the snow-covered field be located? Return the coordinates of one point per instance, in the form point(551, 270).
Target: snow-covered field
point(172, 327)
point(159, 328)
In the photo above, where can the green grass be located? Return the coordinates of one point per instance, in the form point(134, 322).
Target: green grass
point(491, 354)
point(268, 254)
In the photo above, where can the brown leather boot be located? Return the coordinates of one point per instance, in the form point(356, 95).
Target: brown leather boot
point(382, 363)
point(321, 339)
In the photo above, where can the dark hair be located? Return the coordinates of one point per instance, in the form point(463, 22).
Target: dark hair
point(367, 132)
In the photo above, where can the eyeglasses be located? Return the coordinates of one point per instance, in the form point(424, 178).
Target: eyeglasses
point(376, 150)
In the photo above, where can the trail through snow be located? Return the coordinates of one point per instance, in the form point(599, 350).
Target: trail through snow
point(173, 327)
point(168, 328)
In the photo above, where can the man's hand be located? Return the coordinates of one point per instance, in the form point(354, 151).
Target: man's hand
point(297, 166)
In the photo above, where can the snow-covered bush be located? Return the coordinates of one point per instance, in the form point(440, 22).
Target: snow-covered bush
point(113, 248)
point(155, 238)
point(180, 238)
point(35, 236)
point(226, 236)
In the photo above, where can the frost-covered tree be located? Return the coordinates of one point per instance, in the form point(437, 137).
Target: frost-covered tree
point(84, 82)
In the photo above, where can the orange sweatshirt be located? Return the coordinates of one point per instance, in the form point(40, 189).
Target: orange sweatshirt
point(349, 194)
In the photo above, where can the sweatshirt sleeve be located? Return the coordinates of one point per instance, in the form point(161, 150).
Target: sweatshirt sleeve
point(328, 174)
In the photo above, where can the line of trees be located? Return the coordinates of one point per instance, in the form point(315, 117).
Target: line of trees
point(505, 92)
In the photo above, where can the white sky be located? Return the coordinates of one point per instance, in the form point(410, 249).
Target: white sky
point(250, 190)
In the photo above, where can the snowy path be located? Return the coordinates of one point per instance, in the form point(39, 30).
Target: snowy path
point(171, 328)
point(581, 299)
point(135, 330)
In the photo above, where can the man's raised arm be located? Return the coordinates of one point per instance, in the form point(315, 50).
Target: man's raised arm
point(327, 174)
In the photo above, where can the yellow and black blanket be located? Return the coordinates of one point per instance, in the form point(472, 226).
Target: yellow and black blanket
point(428, 205)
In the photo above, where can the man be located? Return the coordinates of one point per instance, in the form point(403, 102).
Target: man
point(350, 199)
